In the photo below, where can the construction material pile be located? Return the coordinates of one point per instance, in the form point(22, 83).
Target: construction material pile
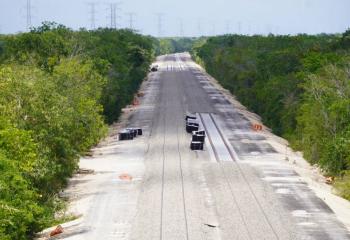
point(198, 136)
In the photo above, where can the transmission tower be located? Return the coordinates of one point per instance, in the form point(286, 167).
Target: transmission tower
point(131, 19)
point(160, 23)
point(228, 27)
point(213, 29)
point(113, 16)
point(239, 28)
point(181, 28)
point(92, 6)
point(29, 15)
point(199, 28)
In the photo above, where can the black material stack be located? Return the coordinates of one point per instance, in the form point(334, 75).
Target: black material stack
point(190, 116)
point(129, 133)
point(133, 131)
point(125, 135)
point(196, 145)
point(139, 131)
point(192, 126)
point(198, 138)
point(200, 132)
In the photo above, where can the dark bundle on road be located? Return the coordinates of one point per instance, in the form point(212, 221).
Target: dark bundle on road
point(200, 132)
point(198, 138)
point(196, 145)
point(192, 126)
point(129, 133)
point(154, 68)
point(190, 116)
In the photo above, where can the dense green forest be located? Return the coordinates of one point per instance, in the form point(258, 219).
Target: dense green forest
point(59, 90)
point(175, 45)
point(300, 85)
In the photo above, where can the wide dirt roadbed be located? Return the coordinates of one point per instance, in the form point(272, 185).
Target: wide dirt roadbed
point(239, 187)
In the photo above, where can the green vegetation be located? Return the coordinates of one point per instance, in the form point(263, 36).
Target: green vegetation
point(300, 85)
point(174, 45)
point(59, 88)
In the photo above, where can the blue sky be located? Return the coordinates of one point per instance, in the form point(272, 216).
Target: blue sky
point(198, 17)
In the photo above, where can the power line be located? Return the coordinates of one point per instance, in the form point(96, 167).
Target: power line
point(92, 13)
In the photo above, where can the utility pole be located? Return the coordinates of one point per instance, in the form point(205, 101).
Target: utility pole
point(92, 13)
point(29, 15)
point(131, 20)
point(160, 23)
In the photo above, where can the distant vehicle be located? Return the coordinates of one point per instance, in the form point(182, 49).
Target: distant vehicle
point(154, 68)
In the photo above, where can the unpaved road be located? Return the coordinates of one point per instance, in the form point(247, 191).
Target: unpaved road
point(239, 187)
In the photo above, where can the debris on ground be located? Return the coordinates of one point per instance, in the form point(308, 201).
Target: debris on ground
point(329, 180)
point(129, 133)
point(85, 171)
point(136, 101)
point(56, 231)
point(211, 225)
point(257, 127)
point(140, 94)
point(125, 177)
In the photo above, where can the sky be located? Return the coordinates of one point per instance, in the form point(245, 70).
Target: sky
point(185, 17)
